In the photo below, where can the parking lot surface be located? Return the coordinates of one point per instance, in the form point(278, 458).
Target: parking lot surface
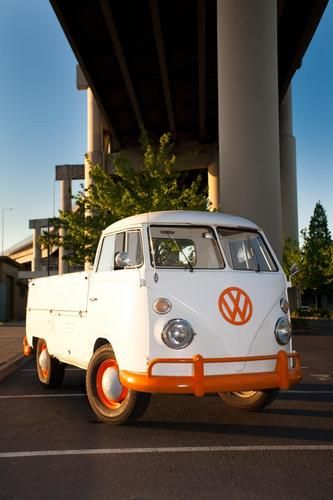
point(51, 445)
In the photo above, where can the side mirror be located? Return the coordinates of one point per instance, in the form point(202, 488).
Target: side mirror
point(122, 259)
point(293, 270)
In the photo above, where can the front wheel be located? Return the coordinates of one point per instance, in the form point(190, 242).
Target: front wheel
point(111, 402)
point(49, 369)
point(249, 400)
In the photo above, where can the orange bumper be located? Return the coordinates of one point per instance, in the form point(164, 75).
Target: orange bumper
point(27, 350)
point(283, 377)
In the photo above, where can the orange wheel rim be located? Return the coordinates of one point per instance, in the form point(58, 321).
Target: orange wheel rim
point(104, 370)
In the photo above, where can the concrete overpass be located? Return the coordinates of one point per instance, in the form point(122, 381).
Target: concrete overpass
point(216, 73)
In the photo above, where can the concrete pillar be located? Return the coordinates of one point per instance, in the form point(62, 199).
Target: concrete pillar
point(288, 170)
point(65, 206)
point(249, 113)
point(36, 250)
point(213, 185)
point(36, 225)
point(94, 155)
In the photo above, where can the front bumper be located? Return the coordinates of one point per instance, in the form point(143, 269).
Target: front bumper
point(283, 377)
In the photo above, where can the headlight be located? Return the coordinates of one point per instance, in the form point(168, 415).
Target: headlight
point(284, 304)
point(177, 334)
point(282, 331)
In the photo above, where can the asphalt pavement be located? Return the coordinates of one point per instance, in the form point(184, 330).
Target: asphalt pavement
point(183, 447)
point(11, 351)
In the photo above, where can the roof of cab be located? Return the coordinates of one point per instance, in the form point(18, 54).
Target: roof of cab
point(182, 217)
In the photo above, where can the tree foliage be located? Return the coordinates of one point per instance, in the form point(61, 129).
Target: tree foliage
point(151, 187)
point(315, 258)
point(292, 254)
point(318, 252)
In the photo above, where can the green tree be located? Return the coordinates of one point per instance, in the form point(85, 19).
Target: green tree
point(318, 252)
point(292, 254)
point(129, 191)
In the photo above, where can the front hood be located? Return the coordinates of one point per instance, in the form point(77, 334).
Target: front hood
point(228, 311)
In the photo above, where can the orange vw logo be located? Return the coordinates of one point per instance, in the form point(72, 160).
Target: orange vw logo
point(235, 306)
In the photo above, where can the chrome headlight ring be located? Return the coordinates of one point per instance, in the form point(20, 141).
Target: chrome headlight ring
point(282, 331)
point(284, 304)
point(177, 334)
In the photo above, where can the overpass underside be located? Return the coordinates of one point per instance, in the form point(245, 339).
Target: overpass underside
point(214, 73)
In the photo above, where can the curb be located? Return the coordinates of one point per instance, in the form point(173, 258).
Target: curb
point(11, 365)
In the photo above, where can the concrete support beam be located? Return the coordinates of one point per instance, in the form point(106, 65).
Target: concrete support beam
point(81, 81)
point(65, 174)
point(202, 68)
point(97, 140)
point(288, 170)
point(94, 154)
point(74, 172)
point(163, 65)
point(213, 186)
point(249, 113)
point(65, 206)
point(113, 32)
point(37, 225)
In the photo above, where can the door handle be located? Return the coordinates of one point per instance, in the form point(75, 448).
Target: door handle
point(93, 299)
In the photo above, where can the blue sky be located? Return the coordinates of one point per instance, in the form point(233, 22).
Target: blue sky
point(313, 123)
point(43, 116)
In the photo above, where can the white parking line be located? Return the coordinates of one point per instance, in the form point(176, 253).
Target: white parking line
point(34, 369)
point(27, 396)
point(306, 392)
point(81, 394)
point(180, 449)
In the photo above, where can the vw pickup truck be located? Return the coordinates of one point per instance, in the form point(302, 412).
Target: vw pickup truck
point(178, 302)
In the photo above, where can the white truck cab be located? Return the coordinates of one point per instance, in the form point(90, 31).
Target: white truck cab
point(178, 302)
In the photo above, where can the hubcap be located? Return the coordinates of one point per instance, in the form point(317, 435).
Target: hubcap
point(43, 361)
point(245, 394)
point(109, 389)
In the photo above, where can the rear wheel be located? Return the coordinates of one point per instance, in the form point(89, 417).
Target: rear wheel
point(49, 369)
point(249, 400)
point(110, 401)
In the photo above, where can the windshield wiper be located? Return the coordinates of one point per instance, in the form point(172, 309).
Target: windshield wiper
point(168, 233)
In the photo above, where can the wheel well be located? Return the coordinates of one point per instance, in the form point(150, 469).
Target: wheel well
point(34, 342)
point(99, 342)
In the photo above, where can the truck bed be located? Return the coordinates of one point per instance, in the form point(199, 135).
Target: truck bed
point(67, 292)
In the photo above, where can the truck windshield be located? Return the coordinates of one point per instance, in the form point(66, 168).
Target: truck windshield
point(182, 247)
point(246, 250)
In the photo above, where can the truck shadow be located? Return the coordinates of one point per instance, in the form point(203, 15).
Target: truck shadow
point(294, 434)
point(278, 421)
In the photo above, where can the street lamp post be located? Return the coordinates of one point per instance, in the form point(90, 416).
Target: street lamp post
point(3, 210)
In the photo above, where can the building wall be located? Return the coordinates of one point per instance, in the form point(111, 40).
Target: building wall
point(13, 292)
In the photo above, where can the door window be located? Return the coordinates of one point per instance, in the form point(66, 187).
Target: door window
point(105, 262)
point(134, 248)
point(130, 242)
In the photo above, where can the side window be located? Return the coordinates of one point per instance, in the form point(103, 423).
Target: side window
point(105, 262)
point(131, 242)
point(119, 246)
point(134, 248)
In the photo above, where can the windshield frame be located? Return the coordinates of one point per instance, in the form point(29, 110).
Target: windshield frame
point(261, 238)
point(188, 265)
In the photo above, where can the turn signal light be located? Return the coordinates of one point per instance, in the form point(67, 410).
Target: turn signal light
point(162, 306)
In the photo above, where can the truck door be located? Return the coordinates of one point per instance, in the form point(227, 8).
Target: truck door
point(116, 297)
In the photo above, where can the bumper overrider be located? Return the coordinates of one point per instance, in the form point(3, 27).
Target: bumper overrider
point(283, 377)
